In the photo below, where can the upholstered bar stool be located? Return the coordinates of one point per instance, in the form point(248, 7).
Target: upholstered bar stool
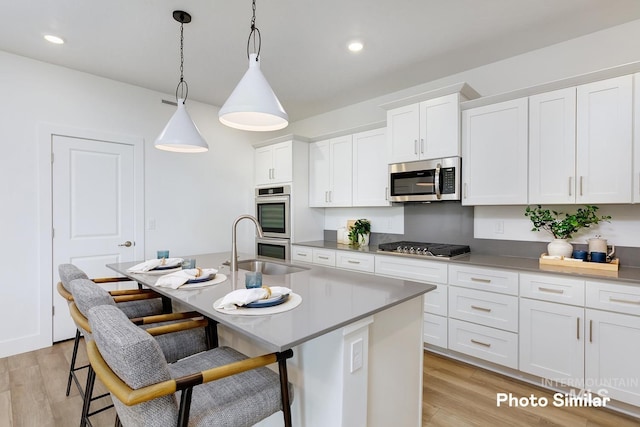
point(134, 303)
point(188, 331)
point(219, 387)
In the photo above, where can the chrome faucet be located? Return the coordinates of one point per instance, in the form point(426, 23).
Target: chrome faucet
point(234, 246)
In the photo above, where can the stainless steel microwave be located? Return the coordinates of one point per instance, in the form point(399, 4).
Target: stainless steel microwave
point(425, 180)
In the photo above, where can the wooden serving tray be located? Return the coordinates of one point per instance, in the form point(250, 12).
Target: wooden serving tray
point(594, 266)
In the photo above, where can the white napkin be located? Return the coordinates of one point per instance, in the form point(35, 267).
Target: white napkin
point(179, 278)
point(153, 263)
point(241, 297)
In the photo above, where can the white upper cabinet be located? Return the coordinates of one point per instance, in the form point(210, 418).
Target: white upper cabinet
point(552, 147)
point(370, 168)
point(274, 163)
point(330, 172)
point(426, 130)
point(604, 141)
point(494, 152)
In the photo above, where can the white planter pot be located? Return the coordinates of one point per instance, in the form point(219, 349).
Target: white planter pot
point(560, 247)
point(363, 240)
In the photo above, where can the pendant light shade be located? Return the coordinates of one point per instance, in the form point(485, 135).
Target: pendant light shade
point(253, 105)
point(181, 134)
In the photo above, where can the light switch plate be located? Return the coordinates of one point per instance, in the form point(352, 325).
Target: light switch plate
point(356, 355)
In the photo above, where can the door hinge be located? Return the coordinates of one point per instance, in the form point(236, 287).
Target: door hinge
point(53, 310)
point(53, 233)
point(51, 157)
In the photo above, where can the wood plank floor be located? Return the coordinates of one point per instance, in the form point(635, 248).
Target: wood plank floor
point(32, 389)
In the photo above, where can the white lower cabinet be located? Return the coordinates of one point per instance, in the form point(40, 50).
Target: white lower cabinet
point(355, 261)
point(485, 308)
point(435, 330)
point(552, 340)
point(493, 345)
point(326, 257)
point(301, 253)
point(612, 350)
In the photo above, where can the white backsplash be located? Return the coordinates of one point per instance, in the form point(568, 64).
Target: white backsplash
point(509, 223)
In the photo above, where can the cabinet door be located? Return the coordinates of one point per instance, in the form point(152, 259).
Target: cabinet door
point(264, 164)
point(370, 168)
point(403, 133)
point(282, 163)
point(612, 349)
point(552, 147)
point(341, 166)
point(604, 141)
point(636, 139)
point(552, 340)
point(319, 169)
point(440, 127)
point(494, 148)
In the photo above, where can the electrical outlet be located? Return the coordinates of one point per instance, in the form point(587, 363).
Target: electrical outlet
point(356, 355)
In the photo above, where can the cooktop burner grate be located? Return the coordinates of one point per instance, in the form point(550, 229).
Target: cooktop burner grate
point(424, 249)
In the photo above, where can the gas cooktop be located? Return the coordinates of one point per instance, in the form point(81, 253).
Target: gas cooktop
point(421, 249)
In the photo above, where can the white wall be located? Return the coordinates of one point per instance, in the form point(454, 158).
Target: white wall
point(193, 198)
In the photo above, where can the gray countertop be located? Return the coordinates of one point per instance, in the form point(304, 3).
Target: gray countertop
point(630, 275)
point(331, 299)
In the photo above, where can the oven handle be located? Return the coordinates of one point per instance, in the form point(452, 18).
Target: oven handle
point(437, 181)
point(271, 199)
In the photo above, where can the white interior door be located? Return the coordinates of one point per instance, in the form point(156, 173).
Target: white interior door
point(94, 212)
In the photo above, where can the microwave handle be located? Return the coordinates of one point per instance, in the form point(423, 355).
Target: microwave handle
point(437, 181)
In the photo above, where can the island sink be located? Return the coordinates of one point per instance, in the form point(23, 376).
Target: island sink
point(268, 267)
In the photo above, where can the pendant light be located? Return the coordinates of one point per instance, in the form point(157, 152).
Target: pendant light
point(181, 134)
point(253, 105)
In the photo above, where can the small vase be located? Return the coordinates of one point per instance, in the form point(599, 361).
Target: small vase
point(363, 239)
point(560, 247)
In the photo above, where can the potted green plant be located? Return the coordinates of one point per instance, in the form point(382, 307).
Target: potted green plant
point(562, 226)
point(359, 233)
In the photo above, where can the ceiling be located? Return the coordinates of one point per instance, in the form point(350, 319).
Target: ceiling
point(304, 55)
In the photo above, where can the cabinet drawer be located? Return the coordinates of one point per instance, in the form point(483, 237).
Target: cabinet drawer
point(435, 302)
point(355, 261)
point(485, 343)
point(412, 269)
point(487, 279)
point(552, 288)
point(485, 308)
point(613, 297)
point(435, 330)
point(301, 253)
point(324, 257)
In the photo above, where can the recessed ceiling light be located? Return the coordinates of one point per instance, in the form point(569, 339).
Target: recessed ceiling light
point(53, 39)
point(355, 46)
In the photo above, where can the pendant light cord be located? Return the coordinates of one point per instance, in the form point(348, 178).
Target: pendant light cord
point(254, 31)
point(183, 87)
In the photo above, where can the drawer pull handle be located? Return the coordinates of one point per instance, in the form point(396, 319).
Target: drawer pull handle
point(577, 328)
point(590, 330)
point(353, 262)
point(300, 254)
point(624, 301)
point(475, 307)
point(553, 291)
point(476, 279)
point(484, 344)
point(323, 257)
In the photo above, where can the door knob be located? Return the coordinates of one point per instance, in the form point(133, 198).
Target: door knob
point(126, 244)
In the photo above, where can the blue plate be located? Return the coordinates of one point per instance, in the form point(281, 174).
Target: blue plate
point(268, 302)
point(166, 267)
point(202, 279)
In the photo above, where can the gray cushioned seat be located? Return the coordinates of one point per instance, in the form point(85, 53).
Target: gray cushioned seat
point(178, 345)
point(239, 400)
point(132, 309)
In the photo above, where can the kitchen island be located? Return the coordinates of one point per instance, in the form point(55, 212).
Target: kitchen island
point(357, 340)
